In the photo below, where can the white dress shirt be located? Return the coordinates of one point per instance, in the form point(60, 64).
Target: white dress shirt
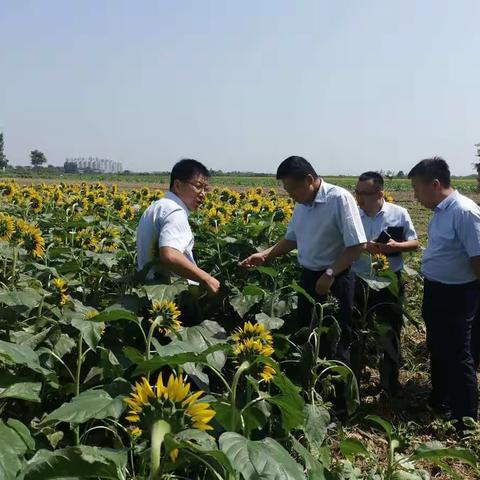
point(164, 224)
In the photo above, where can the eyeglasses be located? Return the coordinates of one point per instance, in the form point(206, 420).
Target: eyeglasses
point(200, 187)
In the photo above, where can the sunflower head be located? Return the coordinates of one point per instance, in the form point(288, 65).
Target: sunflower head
point(267, 373)
point(30, 238)
point(127, 212)
point(173, 403)
point(119, 201)
point(388, 197)
point(60, 286)
point(109, 239)
point(7, 226)
point(167, 314)
point(36, 203)
point(86, 239)
point(380, 262)
point(250, 341)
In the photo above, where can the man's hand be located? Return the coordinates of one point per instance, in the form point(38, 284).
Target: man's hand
point(212, 285)
point(390, 247)
point(373, 248)
point(322, 287)
point(254, 260)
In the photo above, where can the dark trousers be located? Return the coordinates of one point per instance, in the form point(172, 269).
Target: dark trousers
point(343, 290)
point(387, 309)
point(452, 317)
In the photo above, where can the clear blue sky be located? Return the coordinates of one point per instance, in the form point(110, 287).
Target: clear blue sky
point(240, 85)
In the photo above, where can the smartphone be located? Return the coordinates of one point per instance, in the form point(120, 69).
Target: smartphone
point(384, 237)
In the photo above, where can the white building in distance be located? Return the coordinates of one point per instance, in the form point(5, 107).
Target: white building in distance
point(92, 164)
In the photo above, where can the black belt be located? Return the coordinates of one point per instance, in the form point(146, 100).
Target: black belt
point(343, 272)
point(458, 285)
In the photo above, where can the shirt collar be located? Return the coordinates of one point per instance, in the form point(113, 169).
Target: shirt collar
point(171, 196)
point(446, 202)
point(322, 193)
point(382, 210)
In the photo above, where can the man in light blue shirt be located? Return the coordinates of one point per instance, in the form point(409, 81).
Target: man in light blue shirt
point(164, 238)
point(327, 232)
point(389, 231)
point(451, 302)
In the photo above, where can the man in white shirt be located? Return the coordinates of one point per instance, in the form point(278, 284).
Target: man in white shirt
point(164, 238)
point(451, 299)
point(389, 231)
point(327, 231)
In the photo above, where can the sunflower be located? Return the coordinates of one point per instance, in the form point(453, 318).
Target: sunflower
point(36, 203)
point(8, 189)
point(119, 201)
point(267, 373)
point(380, 262)
point(214, 218)
point(109, 239)
point(86, 239)
point(127, 212)
point(7, 226)
point(60, 291)
point(388, 197)
point(172, 403)
point(252, 347)
point(253, 340)
point(168, 313)
point(30, 238)
point(252, 331)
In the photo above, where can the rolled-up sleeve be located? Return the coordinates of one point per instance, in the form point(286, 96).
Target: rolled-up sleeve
point(468, 231)
point(175, 231)
point(350, 221)
point(291, 235)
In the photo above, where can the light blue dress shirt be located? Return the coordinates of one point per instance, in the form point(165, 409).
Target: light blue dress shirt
point(390, 215)
point(325, 227)
point(453, 238)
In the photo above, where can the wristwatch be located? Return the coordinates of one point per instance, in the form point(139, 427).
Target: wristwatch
point(329, 273)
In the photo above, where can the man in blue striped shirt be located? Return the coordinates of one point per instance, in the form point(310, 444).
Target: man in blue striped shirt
point(451, 301)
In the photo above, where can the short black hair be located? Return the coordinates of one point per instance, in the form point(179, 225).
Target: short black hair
point(186, 169)
point(430, 169)
point(295, 167)
point(375, 176)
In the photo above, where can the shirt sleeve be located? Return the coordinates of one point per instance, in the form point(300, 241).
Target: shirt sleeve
point(408, 228)
point(350, 223)
point(290, 235)
point(175, 231)
point(468, 231)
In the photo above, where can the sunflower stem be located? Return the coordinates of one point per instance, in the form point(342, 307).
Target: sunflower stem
point(14, 265)
point(159, 429)
point(77, 381)
point(233, 397)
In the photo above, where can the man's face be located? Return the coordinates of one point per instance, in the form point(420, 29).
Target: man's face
point(426, 191)
point(302, 191)
point(368, 195)
point(193, 191)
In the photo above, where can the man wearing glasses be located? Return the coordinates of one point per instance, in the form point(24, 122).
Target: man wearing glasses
point(389, 230)
point(164, 237)
point(327, 232)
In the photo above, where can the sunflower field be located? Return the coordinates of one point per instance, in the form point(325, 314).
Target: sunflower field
point(105, 376)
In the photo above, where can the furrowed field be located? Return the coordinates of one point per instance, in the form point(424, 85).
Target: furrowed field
point(100, 378)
